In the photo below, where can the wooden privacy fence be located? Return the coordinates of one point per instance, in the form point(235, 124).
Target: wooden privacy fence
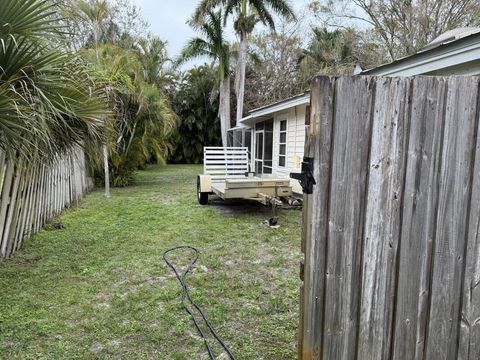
point(391, 231)
point(32, 194)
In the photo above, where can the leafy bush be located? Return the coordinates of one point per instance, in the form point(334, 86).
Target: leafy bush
point(141, 119)
point(195, 100)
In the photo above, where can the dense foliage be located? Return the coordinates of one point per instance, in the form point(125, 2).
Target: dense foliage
point(88, 72)
point(141, 119)
point(48, 100)
point(130, 72)
point(195, 100)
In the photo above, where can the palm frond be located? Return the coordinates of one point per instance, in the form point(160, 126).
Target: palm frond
point(194, 48)
point(47, 102)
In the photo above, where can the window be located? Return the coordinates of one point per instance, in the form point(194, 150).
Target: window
point(282, 151)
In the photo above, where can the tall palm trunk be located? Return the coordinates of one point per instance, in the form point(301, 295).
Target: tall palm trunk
point(240, 81)
point(96, 35)
point(224, 110)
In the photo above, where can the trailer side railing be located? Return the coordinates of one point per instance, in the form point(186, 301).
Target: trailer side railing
point(225, 162)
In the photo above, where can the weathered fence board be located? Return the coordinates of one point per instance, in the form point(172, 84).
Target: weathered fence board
point(30, 195)
point(346, 212)
point(470, 321)
point(391, 122)
point(417, 232)
point(451, 219)
point(391, 231)
point(315, 211)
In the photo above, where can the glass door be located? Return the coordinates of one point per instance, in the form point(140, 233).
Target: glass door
point(258, 152)
point(264, 147)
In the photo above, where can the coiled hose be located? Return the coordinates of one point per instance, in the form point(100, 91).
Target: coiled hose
point(186, 300)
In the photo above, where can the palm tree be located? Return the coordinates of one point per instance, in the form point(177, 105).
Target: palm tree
point(330, 51)
point(47, 99)
point(154, 57)
point(96, 14)
point(214, 46)
point(141, 121)
point(247, 14)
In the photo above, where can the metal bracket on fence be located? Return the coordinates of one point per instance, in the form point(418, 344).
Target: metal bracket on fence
point(305, 178)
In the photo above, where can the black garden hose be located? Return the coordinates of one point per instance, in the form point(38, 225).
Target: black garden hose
point(186, 298)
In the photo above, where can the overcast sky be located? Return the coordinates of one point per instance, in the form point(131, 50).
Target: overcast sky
point(167, 20)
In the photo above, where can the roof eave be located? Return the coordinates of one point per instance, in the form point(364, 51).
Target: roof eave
point(277, 107)
point(405, 65)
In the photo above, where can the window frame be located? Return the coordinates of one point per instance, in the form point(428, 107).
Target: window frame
point(280, 143)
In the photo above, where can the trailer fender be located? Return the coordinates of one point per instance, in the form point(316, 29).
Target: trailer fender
point(205, 183)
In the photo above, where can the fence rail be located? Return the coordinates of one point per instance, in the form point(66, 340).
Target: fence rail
point(31, 194)
point(391, 232)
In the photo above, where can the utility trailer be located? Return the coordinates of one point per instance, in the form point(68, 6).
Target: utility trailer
point(226, 173)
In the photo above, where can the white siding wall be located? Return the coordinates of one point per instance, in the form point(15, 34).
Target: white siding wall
point(295, 143)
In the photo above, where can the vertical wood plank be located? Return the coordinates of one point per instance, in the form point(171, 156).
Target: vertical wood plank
point(314, 235)
point(25, 228)
point(9, 220)
point(419, 210)
point(349, 168)
point(469, 344)
point(383, 216)
point(5, 201)
point(16, 208)
point(451, 218)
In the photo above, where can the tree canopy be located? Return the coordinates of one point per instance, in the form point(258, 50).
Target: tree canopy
point(48, 100)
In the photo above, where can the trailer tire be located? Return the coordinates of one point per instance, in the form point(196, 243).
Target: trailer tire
point(201, 196)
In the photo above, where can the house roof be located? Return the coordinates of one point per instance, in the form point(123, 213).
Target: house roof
point(454, 52)
point(267, 110)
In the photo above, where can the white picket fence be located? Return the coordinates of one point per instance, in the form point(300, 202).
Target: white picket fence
point(31, 194)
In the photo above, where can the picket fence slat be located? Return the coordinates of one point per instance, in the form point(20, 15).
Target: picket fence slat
point(31, 195)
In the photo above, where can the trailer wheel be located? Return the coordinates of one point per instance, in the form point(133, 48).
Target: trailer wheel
point(201, 196)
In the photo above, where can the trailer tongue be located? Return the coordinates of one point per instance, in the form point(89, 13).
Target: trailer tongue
point(226, 174)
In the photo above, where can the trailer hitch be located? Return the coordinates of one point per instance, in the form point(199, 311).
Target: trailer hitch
point(305, 178)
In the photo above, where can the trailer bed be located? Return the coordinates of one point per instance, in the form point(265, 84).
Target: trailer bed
point(226, 174)
point(251, 188)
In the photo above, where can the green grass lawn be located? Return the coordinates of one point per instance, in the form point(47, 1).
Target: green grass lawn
point(99, 288)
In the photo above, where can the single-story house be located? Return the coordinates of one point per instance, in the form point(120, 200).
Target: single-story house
point(275, 134)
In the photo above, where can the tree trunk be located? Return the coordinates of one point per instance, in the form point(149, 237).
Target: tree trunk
point(106, 168)
point(107, 172)
point(224, 110)
point(240, 82)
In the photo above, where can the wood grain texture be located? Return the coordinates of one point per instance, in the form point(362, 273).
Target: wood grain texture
point(469, 344)
point(348, 166)
point(388, 154)
point(392, 231)
point(318, 145)
point(454, 193)
point(419, 211)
